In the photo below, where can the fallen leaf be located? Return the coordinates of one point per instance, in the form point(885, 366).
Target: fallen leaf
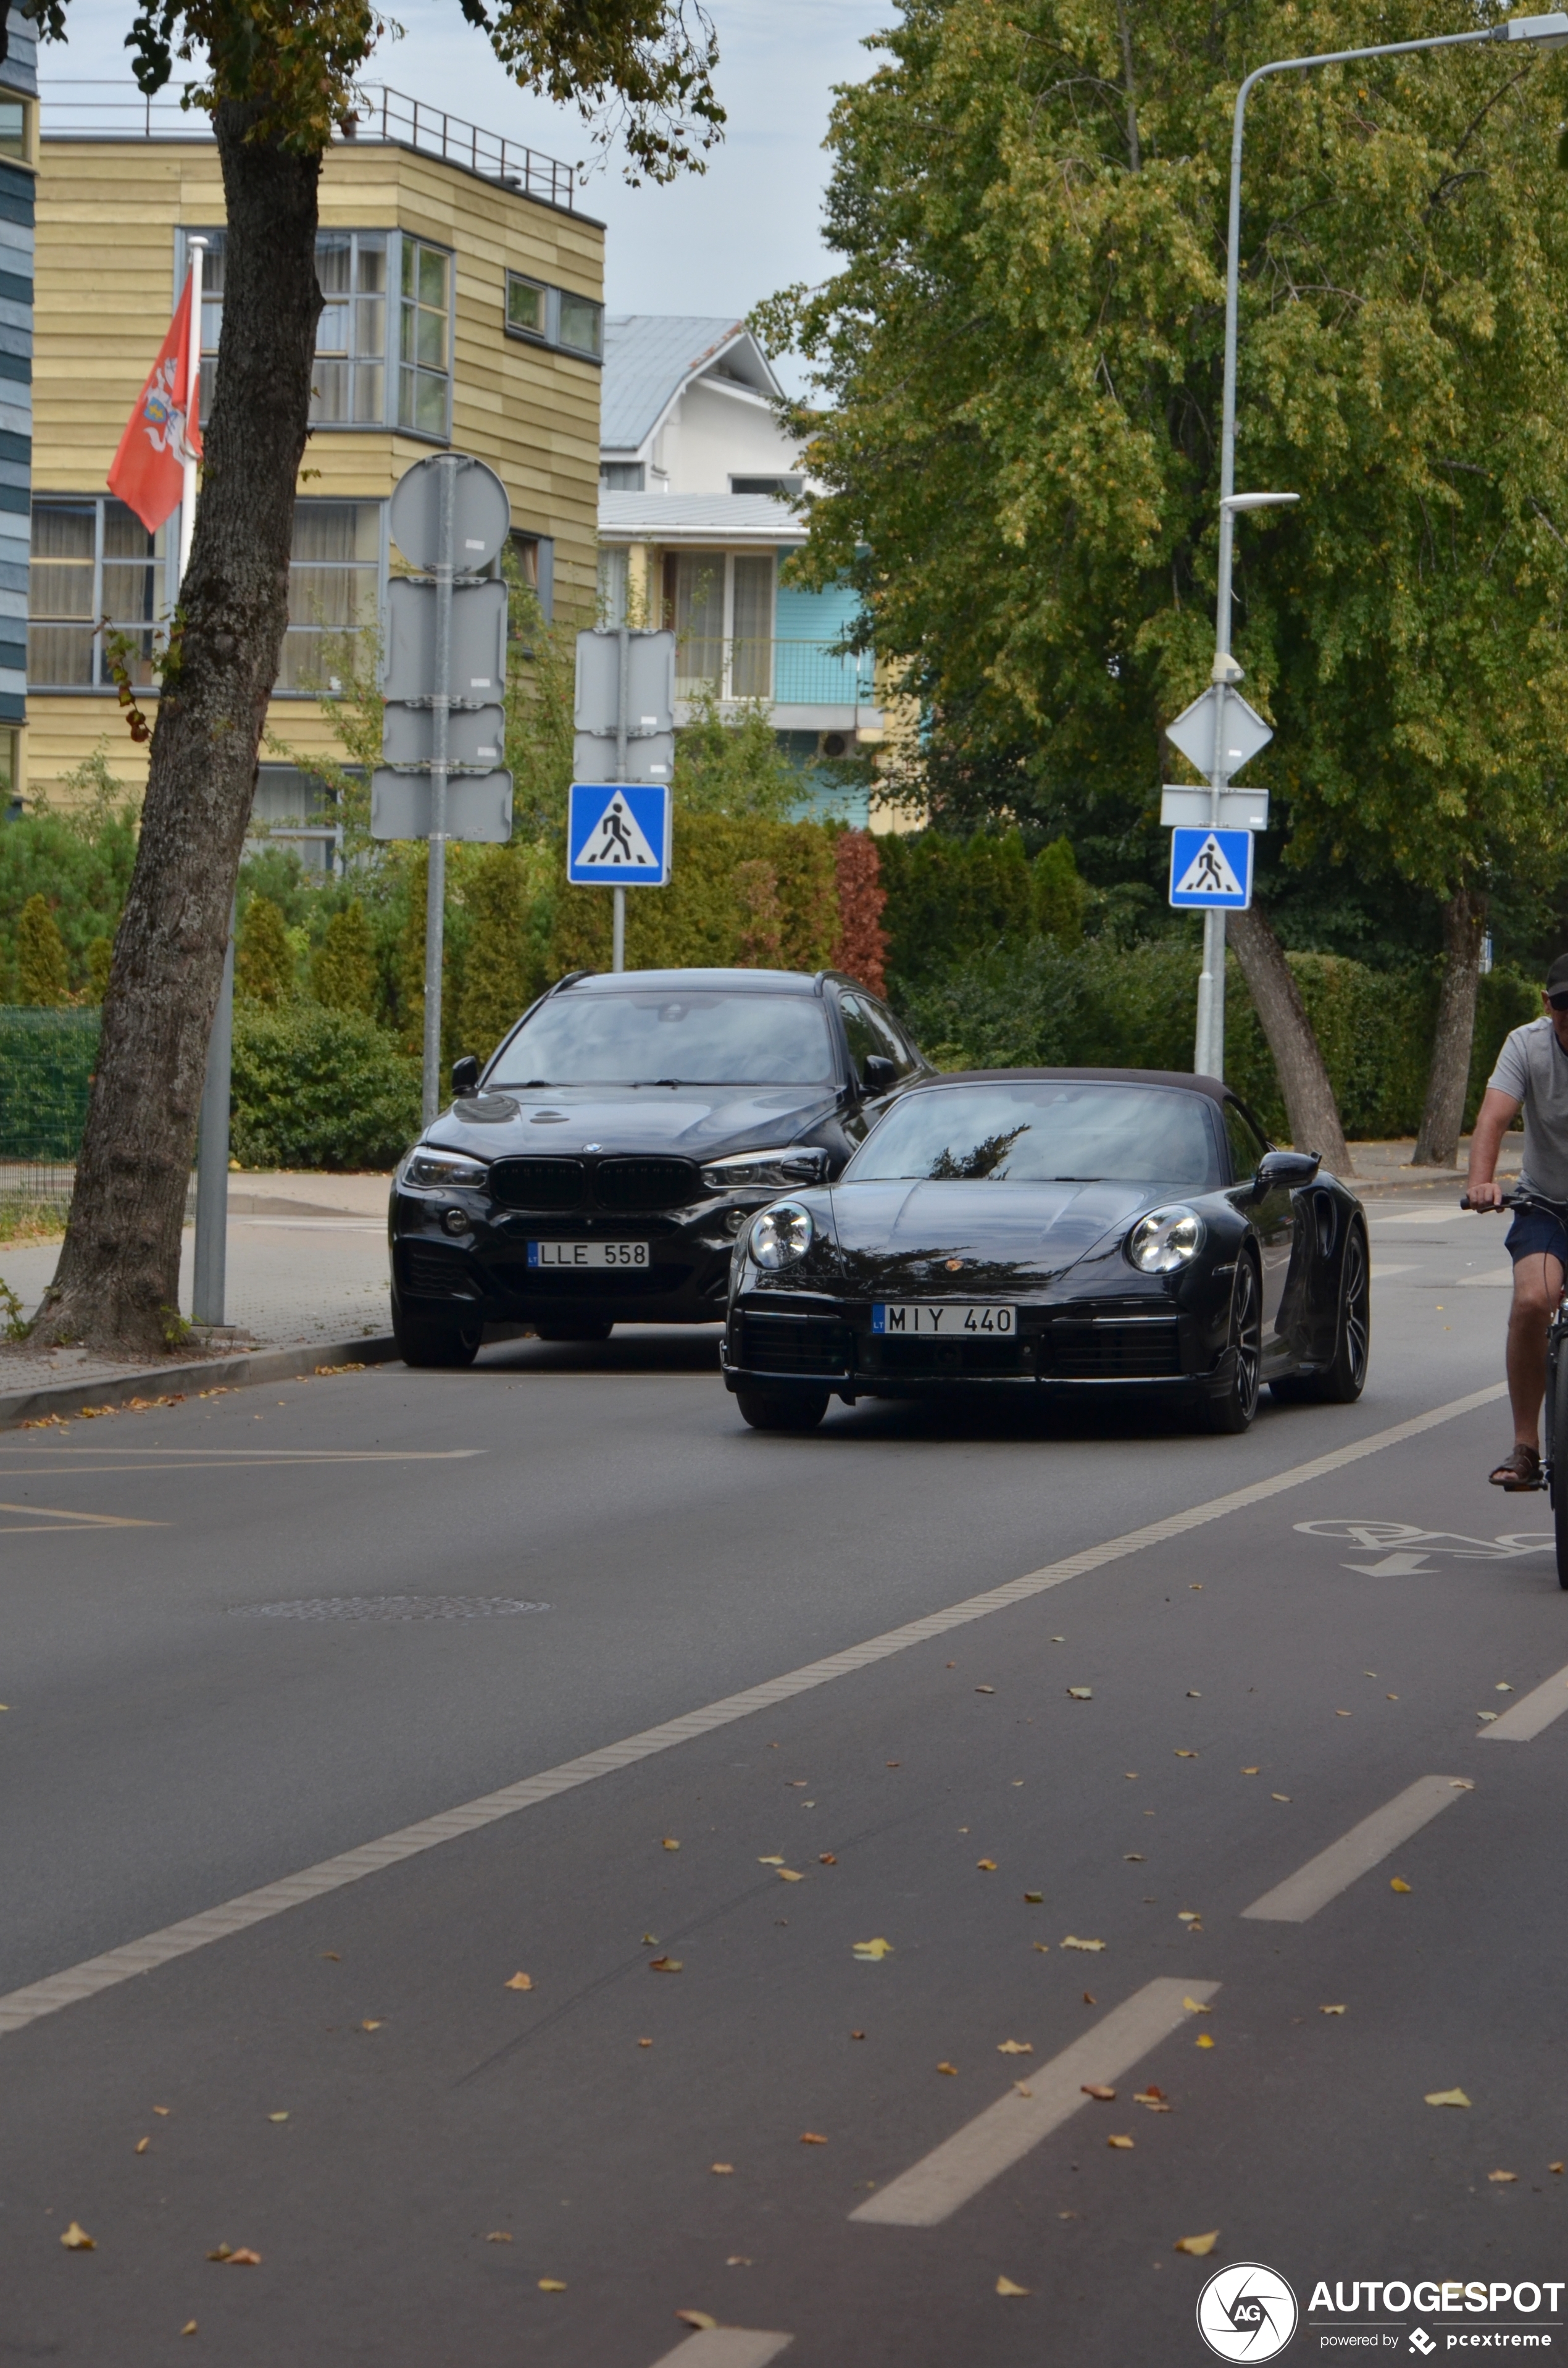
point(1089, 1998)
point(331, 1956)
point(987, 1866)
point(796, 1783)
point(1190, 1916)
point(162, 2111)
point(1044, 1948)
point(220, 2253)
point(552, 2285)
point(644, 2042)
point(1022, 2089)
point(985, 1690)
point(700, 2319)
point(1391, 1698)
point(947, 2067)
point(1556, 2168)
point(1005, 2286)
point(1203, 2039)
point(1486, 1716)
point(1193, 1696)
point(1072, 1941)
point(75, 2239)
point(737, 2260)
point(1193, 2008)
point(1059, 1640)
point(1448, 2097)
point(1152, 2100)
point(826, 1858)
point(1502, 1689)
point(869, 1952)
point(1134, 1858)
point(663, 1964)
point(242, 2258)
point(761, 1862)
point(1125, 2144)
point(1344, 1713)
point(1331, 2010)
point(669, 1844)
point(189, 2327)
point(1251, 1772)
point(723, 2170)
point(519, 1982)
point(1080, 1693)
point(1279, 1796)
point(1097, 2088)
point(857, 2034)
point(1130, 1774)
point(1197, 2246)
point(1504, 2178)
point(892, 1763)
point(788, 1874)
point(142, 2145)
point(1014, 2047)
point(813, 2138)
point(499, 2236)
point(1034, 1899)
point(1398, 1882)
point(1186, 1754)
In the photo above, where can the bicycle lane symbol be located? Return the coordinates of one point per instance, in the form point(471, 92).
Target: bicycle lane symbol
point(1405, 1550)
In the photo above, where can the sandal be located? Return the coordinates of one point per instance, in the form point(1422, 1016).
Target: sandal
point(1518, 1471)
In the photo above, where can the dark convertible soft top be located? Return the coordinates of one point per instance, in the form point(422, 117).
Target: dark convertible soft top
point(1216, 1090)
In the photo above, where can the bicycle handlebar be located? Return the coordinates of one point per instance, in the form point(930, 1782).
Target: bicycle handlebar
point(1518, 1201)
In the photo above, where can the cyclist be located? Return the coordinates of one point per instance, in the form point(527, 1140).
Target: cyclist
point(1531, 1074)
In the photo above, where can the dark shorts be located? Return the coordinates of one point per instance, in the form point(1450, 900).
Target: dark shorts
point(1536, 1230)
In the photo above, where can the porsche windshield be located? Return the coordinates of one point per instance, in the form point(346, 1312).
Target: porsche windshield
point(678, 1038)
point(1038, 1132)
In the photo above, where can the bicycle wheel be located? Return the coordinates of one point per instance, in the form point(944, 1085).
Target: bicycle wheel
point(1557, 1440)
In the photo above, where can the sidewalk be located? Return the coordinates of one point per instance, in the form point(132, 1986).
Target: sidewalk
point(1385, 1168)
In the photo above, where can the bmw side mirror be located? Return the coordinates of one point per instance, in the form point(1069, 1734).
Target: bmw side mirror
point(1287, 1170)
point(465, 1075)
point(878, 1074)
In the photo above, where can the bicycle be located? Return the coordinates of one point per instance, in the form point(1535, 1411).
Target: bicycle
point(1554, 1458)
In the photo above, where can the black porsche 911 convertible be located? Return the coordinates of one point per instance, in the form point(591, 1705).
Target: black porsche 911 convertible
point(1056, 1229)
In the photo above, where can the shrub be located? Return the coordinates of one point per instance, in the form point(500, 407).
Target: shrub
point(41, 975)
point(343, 973)
point(315, 1089)
point(264, 959)
point(46, 1074)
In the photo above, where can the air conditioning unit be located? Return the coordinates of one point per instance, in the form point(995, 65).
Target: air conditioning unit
point(836, 743)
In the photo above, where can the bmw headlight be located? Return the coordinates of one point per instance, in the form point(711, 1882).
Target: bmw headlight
point(766, 1171)
point(1165, 1240)
point(781, 1236)
point(444, 1171)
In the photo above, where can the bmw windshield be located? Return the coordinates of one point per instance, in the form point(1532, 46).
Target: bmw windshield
point(681, 1038)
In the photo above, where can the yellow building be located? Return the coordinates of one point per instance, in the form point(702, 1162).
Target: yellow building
point(463, 307)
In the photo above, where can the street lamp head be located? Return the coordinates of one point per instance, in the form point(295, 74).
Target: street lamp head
point(1262, 501)
point(1542, 32)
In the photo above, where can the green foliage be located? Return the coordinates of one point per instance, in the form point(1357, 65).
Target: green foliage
point(100, 957)
point(1057, 904)
point(729, 762)
point(343, 973)
point(315, 1089)
point(951, 900)
point(41, 975)
point(264, 959)
point(502, 973)
point(47, 1060)
point(80, 862)
point(743, 890)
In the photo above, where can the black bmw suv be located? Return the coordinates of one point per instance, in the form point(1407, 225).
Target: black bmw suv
point(600, 1169)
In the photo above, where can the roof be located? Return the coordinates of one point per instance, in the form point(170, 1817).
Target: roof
point(1215, 1089)
point(650, 356)
point(727, 982)
point(700, 518)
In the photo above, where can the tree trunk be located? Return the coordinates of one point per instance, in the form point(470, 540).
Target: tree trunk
point(1464, 927)
point(117, 1287)
point(1310, 1105)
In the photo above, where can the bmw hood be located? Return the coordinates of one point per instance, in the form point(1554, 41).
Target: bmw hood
point(692, 1122)
point(1009, 1229)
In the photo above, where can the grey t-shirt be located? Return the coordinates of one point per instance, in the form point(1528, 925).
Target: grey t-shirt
point(1533, 1067)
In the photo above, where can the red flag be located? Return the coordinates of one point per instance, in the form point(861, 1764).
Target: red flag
point(148, 471)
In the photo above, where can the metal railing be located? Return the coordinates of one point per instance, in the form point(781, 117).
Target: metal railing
point(786, 673)
point(81, 107)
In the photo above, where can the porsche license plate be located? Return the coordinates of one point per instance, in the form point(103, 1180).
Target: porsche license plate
point(587, 1253)
point(945, 1320)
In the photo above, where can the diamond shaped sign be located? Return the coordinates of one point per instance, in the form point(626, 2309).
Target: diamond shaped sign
point(1244, 732)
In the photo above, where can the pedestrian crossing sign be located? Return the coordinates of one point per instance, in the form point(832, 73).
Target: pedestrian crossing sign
point(1212, 868)
point(617, 834)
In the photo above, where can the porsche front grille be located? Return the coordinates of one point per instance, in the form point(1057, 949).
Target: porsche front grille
point(1134, 1352)
point(793, 1344)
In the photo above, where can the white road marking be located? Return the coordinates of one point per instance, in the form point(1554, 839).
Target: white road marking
point(1493, 1278)
point(215, 1458)
point(1380, 1273)
point(1533, 1711)
point(934, 2188)
point(1354, 1854)
point(315, 1224)
point(1434, 1216)
point(56, 1521)
point(94, 1973)
point(725, 2347)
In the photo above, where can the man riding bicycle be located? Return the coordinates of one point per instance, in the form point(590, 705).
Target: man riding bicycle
point(1531, 1074)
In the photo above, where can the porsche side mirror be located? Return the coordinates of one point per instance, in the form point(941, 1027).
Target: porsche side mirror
point(1286, 1170)
point(465, 1075)
point(878, 1074)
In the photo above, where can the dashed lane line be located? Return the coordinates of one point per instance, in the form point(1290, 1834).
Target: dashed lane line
point(1380, 1272)
point(1356, 1853)
point(54, 1521)
point(20, 2007)
point(934, 2188)
point(725, 2347)
point(1533, 1711)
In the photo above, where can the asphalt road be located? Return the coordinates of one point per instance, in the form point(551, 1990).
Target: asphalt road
point(253, 1634)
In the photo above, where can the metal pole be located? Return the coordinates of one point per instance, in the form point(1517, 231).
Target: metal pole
point(212, 1155)
point(1208, 1053)
point(440, 706)
point(618, 937)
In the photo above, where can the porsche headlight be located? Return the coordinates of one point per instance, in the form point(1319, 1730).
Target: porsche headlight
point(766, 1171)
point(781, 1236)
point(1165, 1240)
point(444, 1171)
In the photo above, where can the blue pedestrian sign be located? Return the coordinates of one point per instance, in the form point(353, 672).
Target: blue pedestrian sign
point(617, 834)
point(1212, 868)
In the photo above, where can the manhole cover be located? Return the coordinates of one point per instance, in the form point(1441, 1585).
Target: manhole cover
point(390, 1607)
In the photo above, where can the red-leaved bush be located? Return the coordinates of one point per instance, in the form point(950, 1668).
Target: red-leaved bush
point(861, 948)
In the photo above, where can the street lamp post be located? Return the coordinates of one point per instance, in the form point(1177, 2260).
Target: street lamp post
point(1548, 32)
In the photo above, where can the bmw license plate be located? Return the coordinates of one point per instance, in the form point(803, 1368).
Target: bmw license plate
point(587, 1253)
point(945, 1320)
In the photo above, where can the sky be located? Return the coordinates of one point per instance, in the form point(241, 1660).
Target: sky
point(712, 244)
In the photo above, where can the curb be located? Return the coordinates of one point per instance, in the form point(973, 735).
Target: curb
point(232, 1373)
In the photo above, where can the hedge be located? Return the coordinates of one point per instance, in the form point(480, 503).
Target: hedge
point(46, 1073)
point(315, 1089)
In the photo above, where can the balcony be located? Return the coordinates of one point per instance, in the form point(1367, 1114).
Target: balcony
point(809, 686)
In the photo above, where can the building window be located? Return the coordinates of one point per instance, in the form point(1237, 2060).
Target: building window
point(613, 567)
point(381, 360)
point(787, 488)
point(334, 594)
point(93, 561)
point(535, 555)
point(721, 605)
point(425, 343)
point(13, 128)
point(554, 316)
point(623, 476)
point(291, 808)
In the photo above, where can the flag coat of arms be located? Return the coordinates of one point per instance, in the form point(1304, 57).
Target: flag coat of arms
point(148, 472)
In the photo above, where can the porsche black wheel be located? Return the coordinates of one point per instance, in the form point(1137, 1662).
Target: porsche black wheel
point(1343, 1379)
point(600, 1331)
point(1232, 1406)
point(436, 1339)
point(782, 1409)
